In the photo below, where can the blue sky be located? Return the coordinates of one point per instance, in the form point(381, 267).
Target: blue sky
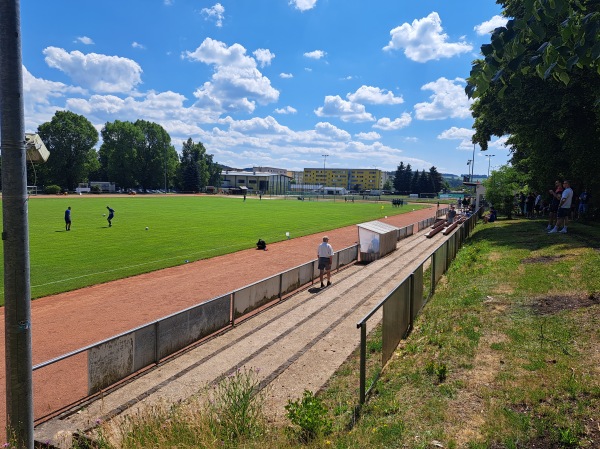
point(269, 82)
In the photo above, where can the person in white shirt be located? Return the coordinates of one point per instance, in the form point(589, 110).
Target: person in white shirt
point(564, 208)
point(325, 255)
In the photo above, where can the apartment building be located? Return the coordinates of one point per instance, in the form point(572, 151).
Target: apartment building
point(349, 178)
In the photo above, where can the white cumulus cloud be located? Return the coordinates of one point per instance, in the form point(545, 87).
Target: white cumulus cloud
point(374, 95)
point(264, 56)
point(94, 71)
point(368, 136)
point(236, 83)
point(303, 5)
point(286, 75)
point(347, 111)
point(286, 110)
point(332, 131)
point(386, 124)
point(424, 40)
point(216, 13)
point(447, 101)
point(316, 54)
point(85, 40)
point(490, 25)
point(463, 135)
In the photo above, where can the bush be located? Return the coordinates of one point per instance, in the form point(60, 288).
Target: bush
point(310, 415)
point(52, 190)
point(95, 189)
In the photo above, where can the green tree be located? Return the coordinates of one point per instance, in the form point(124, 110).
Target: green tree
point(551, 39)
point(526, 89)
point(137, 154)
point(398, 177)
point(403, 179)
point(154, 156)
point(501, 187)
point(423, 182)
point(70, 138)
point(197, 169)
point(118, 153)
point(193, 173)
point(436, 180)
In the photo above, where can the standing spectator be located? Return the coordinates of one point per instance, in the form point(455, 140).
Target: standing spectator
point(583, 204)
point(111, 214)
point(529, 204)
point(522, 203)
point(564, 208)
point(553, 206)
point(537, 205)
point(68, 219)
point(325, 254)
point(451, 214)
point(465, 202)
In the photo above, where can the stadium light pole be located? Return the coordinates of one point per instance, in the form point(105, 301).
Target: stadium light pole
point(325, 156)
point(473, 164)
point(489, 156)
point(15, 232)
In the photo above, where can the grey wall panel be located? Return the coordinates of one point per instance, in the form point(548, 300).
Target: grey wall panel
point(290, 280)
point(145, 347)
point(110, 362)
point(418, 297)
point(182, 329)
point(305, 274)
point(439, 261)
point(396, 319)
point(252, 297)
point(348, 255)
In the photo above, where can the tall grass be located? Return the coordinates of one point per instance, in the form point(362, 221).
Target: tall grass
point(180, 229)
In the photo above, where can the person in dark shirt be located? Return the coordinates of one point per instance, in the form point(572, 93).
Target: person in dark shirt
point(491, 217)
point(68, 219)
point(451, 215)
point(111, 214)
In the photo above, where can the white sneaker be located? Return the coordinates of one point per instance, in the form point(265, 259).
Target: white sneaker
point(553, 230)
point(549, 227)
point(563, 230)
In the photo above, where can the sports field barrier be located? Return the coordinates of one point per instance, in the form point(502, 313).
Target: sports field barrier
point(401, 307)
point(88, 371)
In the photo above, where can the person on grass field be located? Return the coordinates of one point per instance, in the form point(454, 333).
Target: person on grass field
point(111, 214)
point(325, 254)
point(68, 219)
point(564, 208)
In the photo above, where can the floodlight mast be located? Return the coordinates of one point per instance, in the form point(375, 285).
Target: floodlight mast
point(15, 232)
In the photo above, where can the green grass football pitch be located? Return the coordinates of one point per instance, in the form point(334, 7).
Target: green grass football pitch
point(180, 229)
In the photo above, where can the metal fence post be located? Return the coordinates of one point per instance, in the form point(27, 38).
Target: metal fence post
point(363, 362)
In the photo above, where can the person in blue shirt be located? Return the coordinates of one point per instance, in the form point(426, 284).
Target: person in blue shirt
point(68, 219)
point(111, 214)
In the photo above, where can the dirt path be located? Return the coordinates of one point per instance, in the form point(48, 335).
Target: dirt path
point(68, 321)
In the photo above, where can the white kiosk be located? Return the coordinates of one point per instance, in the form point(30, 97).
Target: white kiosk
point(376, 239)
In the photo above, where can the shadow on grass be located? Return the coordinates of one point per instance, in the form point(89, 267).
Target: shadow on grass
point(532, 234)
